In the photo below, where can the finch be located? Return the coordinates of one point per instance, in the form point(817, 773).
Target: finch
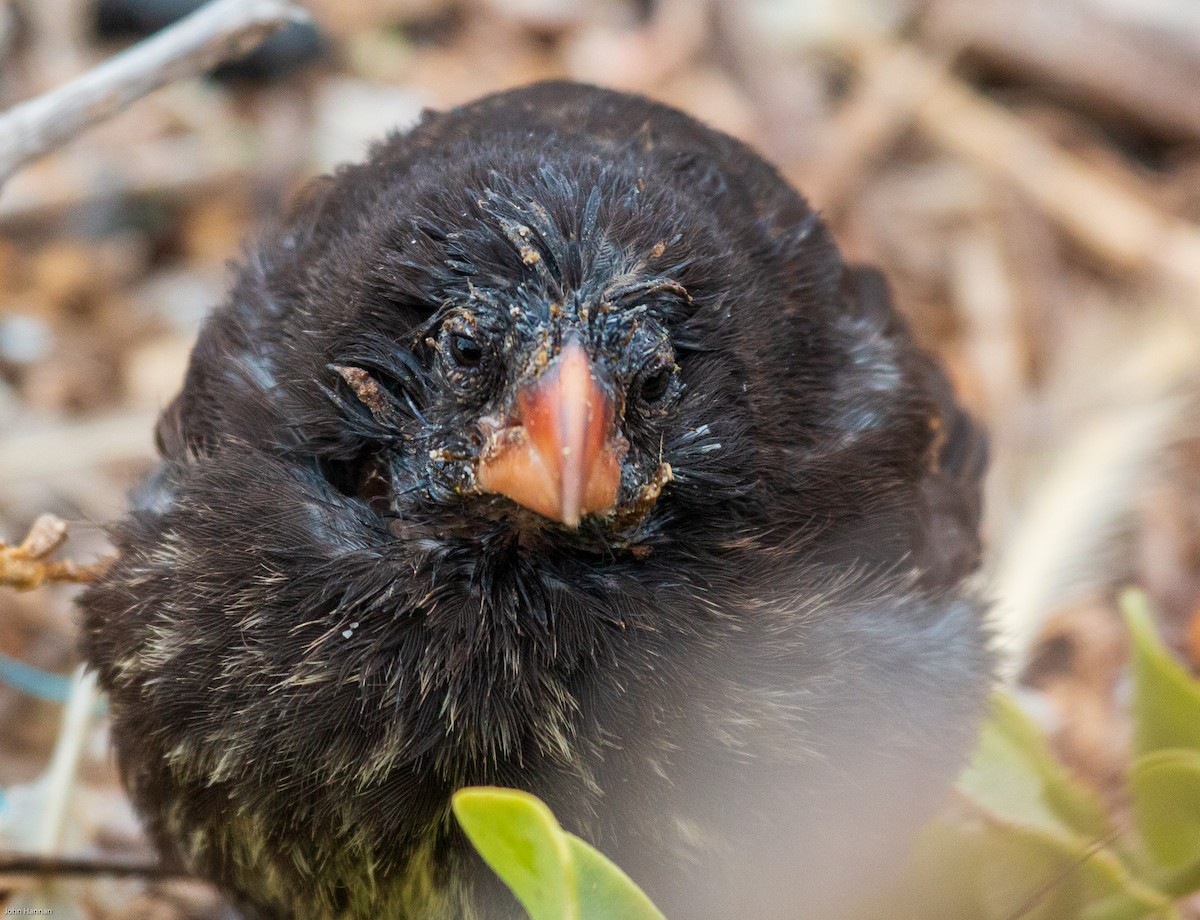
point(553, 447)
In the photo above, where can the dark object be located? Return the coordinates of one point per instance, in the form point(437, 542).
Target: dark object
point(291, 48)
point(553, 447)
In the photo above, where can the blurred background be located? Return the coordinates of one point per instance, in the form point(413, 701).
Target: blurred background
point(1026, 173)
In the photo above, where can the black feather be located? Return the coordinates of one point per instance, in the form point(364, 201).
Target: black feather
point(746, 689)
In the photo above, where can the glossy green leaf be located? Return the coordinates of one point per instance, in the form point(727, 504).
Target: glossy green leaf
point(1166, 703)
point(517, 836)
point(1166, 806)
point(555, 875)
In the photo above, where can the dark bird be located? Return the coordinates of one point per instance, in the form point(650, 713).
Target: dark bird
point(552, 447)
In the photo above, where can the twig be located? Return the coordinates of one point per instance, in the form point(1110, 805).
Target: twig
point(1112, 222)
point(1139, 58)
point(56, 31)
point(30, 864)
point(1116, 224)
point(1094, 849)
point(1054, 551)
point(881, 109)
point(220, 31)
point(64, 763)
point(177, 166)
point(1040, 894)
point(7, 29)
point(25, 567)
point(33, 864)
point(647, 57)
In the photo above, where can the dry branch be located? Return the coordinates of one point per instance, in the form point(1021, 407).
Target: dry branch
point(880, 111)
point(1060, 546)
point(218, 32)
point(1121, 227)
point(26, 566)
point(1141, 62)
point(35, 865)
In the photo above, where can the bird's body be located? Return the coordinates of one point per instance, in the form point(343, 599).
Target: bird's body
point(553, 447)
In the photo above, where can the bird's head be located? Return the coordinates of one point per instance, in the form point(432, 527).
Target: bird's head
point(545, 405)
point(520, 360)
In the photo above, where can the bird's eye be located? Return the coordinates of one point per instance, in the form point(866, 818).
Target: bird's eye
point(654, 385)
point(465, 351)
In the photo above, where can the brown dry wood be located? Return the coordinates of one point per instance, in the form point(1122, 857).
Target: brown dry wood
point(32, 864)
point(1103, 214)
point(1141, 65)
point(880, 111)
point(25, 567)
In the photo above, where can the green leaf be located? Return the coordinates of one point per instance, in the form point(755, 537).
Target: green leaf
point(555, 875)
point(605, 892)
point(969, 863)
point(1015, 776)
point(1033, 874)
point(941, 877)
point(1166, 806)
point(1046, 848)
point(517, 836)
point(1166, 700)
point(1029, 875)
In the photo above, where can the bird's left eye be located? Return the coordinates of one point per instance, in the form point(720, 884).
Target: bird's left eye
point(465, 351)
point(654, 386)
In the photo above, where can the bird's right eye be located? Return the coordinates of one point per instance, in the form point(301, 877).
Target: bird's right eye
point(655, 386)
point(466, 352)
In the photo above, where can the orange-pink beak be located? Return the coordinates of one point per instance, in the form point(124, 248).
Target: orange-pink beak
point(560, 455)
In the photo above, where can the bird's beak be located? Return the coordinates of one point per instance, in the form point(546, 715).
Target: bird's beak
point(559, 455)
